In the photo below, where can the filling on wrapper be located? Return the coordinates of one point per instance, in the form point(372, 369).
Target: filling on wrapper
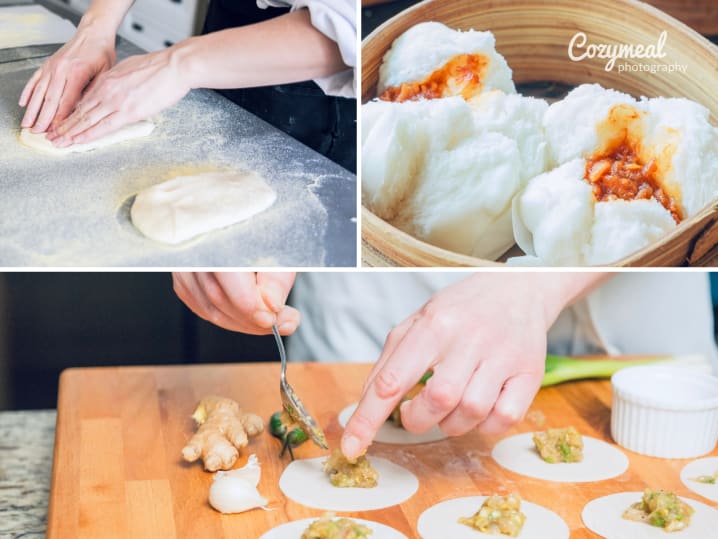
point(329, 527)
point(559, 445)
point(628, 172)
point(661, 509)
point(346, 474)
point(498, 515)
point(706, 479)
point(430, 61)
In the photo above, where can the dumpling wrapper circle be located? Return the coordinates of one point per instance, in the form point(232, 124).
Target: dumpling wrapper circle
point(39, 142)
point(603, 516)
point(294, 529)
point(441, 521)
point(187, 206)
point(696, 468)
point(600, 460)
point(305, 482)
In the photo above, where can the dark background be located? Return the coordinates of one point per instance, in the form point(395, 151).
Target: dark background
point(51, 321)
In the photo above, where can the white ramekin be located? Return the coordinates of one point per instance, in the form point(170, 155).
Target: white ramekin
point(664, 411)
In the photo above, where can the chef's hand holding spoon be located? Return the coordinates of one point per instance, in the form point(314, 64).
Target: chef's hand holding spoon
point(240, 301)
point(485, 339)
point(52, 92)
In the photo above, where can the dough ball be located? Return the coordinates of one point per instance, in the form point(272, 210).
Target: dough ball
point(426, 47)
point(557, 219)
point(184, 207)
point(39, 142)
point(462, 201)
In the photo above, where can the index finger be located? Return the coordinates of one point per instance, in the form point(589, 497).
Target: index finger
point(411, 358)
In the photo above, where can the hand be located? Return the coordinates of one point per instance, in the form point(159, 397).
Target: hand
point(131, 91)
point(240, 301)
point(485, 339)
point(55, 88)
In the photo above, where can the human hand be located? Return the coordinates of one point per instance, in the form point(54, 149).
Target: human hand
point(248, 302)
point(484, 338)
point(54, 89)
point(131, 91)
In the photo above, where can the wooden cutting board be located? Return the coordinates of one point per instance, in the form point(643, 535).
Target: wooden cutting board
point(118, 471)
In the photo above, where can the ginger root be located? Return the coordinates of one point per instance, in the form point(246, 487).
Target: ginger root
point(223, 429)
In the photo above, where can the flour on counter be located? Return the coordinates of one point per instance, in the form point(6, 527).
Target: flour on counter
point(21, 26)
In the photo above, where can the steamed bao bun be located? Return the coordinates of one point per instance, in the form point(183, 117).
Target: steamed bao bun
point(558, 223)
point(556, 220)
point(445, 170)
point(427, 46)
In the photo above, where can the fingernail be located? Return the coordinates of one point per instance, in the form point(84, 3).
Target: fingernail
point(273, 296)
point(287, 327)
point(351, 446)
point(263, 319)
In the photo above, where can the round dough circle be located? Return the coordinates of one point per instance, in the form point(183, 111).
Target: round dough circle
point(603, 516)
point(389, 433)
point(706, 466)
point(305, 482)
point(600, 460)
point(441, 521)
point(294, 529)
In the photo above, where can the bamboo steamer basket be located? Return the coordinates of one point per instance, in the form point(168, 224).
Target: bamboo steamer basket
point(533, 36)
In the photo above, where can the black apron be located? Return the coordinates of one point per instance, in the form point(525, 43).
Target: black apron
point(325, 123)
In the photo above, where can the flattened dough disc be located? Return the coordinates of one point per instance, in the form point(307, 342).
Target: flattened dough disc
point(305, 482)
point(603, 516)
point(600, 460)
point(389, 433)
point(441, 521)
point(39, 142)
point(293, 530)
point(187, 206)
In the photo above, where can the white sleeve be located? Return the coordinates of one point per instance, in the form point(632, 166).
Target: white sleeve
point(336, 19)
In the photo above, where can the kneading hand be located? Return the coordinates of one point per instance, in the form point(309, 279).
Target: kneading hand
point(484, 338)
point(55, 88)
point(240, 301)
point(131, 91)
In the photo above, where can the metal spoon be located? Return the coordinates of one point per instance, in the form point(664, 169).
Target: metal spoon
point(291, 402)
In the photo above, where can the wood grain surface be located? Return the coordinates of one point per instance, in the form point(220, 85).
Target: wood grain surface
point(533, 36)
point(118, 471)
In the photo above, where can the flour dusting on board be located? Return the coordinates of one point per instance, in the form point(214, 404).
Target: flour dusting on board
point(74, 210)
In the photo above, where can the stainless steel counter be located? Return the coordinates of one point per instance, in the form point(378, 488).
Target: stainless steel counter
point(74, 210)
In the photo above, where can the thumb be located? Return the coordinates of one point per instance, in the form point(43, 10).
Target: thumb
point(274, 288)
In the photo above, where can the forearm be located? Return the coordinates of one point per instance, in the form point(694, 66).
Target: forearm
point(105, 16)
point(560, 290)
point(278, 51)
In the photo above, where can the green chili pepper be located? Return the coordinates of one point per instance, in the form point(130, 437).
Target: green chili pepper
point(276, 427)
point(289, 439)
